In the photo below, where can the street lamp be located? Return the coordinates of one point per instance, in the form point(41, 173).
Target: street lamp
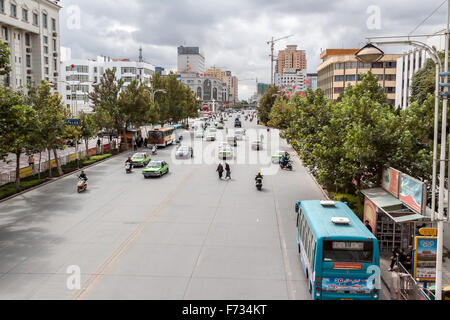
point(370, 53)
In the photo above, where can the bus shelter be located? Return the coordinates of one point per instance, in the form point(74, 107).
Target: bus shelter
point(392, 222)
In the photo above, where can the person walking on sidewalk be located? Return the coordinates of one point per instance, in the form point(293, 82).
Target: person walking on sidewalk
point(220, 170)
point(394, 258)
point(228, 170)
point(398, 279)
point(31, 160)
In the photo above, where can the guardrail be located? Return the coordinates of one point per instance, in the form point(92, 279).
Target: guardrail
point(409, 288)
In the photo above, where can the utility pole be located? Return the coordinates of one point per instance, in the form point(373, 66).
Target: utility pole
point(272, 42)
point(440, 219)
point(140, 67)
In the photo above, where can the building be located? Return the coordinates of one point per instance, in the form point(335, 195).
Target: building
point(291, 58)
point(408, 64)
point(160, 71)
point(210, 90)
point(30, 28)
point(311, 81)
point(291, 80)
point(340, 68)
point(232, 90)
point(190, 60)
point(261, 89)
point(78, 77)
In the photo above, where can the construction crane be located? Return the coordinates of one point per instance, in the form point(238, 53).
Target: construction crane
point(272, 42)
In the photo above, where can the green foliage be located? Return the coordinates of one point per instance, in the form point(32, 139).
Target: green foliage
point(281, 114)
point(266, 103)
point(352, 202)
point(5, 53)
point(96, 158)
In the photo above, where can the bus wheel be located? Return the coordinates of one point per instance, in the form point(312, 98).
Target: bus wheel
point(309, 287)
point(298, 248)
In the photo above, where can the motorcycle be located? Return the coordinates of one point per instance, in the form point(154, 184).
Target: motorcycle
point(81, 185)
point(258, 184)
point(154, 150)
point(128, 167)
point(286, 166)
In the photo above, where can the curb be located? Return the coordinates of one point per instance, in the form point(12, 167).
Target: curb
point(55, 179)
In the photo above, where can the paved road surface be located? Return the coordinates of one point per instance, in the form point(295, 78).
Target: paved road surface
point(187, 235)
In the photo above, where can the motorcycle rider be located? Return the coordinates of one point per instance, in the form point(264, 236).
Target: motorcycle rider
point(258, 176)
point(130, 162)
point(83, 176)
point(282, 160)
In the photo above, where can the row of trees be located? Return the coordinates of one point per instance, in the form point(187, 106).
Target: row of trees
point(348, 142)
point(32, 119)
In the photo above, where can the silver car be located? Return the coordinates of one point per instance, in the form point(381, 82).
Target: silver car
point(184, 152)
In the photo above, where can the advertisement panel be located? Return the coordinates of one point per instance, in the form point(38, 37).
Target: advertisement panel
point(106, 147)
point(425, 258)
point(345, 285)
point(390, 181)
point(92, 151)
point(370, 214)
point(411, 193)
point(52, 162)
point(26, 172)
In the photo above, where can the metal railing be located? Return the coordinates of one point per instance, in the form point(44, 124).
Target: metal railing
point(409, 288)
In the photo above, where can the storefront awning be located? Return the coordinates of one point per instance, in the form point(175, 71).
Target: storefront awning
point(386, 202)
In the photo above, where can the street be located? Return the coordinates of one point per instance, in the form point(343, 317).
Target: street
point(186, 235)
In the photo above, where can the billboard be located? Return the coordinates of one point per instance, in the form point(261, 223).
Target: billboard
point(411, 193)
point(347, 285)
point(390, 181)
point(425, 258)
point(370, 214)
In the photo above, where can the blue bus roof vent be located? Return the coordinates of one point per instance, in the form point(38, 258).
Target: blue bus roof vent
point(328, 203)
point(340, 220)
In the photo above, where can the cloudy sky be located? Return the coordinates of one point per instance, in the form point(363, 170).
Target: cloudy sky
point(233, 33)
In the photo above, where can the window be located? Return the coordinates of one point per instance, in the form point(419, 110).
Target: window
point(377, 65)
point(55, 64)
point(45, 40)
point(24, 15)
point(27, 39)
point(13, 10)
point(389, 90)
point(347, 251)
point(363, 65)
point(44, 20)
point(54, 44)
point(339, 66)
point(2, 6)
point(53, 24)
point(350, 77)
point(338, 90)
point(5, 33)
point(46, 60)
point(45, 49)
point(338, 78)
point(46, 70)
point(95, 69)
point(389, 77)
point(391, 64)
point(35, 19)
point(350, 65)
point(28, 60)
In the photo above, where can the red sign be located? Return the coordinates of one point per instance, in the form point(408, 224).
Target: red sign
point(92, 151)
point(106, 147)
point(344, 265)
point(390, 181)
point(370, 214)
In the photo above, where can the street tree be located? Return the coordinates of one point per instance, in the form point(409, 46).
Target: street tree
point(266, 103)
point(18, 124)
point(88, 128)
point(5, 53)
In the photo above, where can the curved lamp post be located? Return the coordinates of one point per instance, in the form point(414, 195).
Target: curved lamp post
point(370, 53)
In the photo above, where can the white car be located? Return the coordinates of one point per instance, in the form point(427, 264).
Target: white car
point(184, 152)
point(212, 129)
point(226, 152)
point(199, 134)
point(210, 136)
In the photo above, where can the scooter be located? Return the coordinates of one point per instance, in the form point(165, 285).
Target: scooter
point(154, 149)
point(258, 184)
point(81, 185)
point(128, 167)
point(287, 166)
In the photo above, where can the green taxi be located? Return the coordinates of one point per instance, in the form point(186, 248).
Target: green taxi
point(140, 159)
point(155, 169)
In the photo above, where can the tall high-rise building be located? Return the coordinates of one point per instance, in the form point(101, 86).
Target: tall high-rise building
point(230, 80)
point(190, 60)
point(291, 58)
point(30, 28)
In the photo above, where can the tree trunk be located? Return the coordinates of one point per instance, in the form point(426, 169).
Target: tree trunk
point(58, 165)
point(49, 165)
point(17, 171)
point(39, 170)
point(125, 138)
point(86, 142)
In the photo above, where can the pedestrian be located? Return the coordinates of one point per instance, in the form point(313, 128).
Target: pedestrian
point(135, 145)
point(394, 258)
point(31, 160)
point(98, 142)
point(402, 257)
point(145, 142)
point(228, 170)
point(398, 279)
point(367, 224)
point(409, 259)
point(220, 170)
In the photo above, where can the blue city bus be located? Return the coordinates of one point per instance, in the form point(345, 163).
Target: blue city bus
point(339, 255)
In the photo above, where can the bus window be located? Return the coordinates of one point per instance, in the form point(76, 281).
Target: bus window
point(347, 251)
point(155, 134)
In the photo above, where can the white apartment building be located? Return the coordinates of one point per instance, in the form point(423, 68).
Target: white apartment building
point(291, 79)
point(30, 28)
point(190, 60)
point(408, 64)
point(312, 81)
point(78, 77)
